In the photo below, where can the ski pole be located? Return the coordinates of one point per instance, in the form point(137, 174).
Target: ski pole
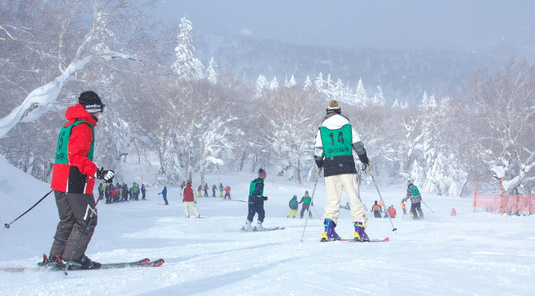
point(88, 216)
point(428, 206)
point(311, 201)
point(381, 197)
point(241, 200)
point(9, 224)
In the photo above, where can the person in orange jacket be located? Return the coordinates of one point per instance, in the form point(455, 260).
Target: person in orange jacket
point(403, 207)
point(376, 210)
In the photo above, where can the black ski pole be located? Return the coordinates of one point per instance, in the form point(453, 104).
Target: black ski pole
point(7, 225)
point(381, 197)
point(427, 206)
point(311, 201)
point(93, 211)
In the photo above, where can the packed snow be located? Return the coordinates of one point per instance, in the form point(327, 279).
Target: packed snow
point(467, 254)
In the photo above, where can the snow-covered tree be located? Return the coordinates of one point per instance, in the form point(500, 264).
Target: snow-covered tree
point(289, 114)
point(319, 83)
point(274, 84)
point(186, 65)
point(212, 74)
point(291, 82)
point(378, 98)
point(308, 83)
point(67, 42)
point(361, 97)
point(504, 126)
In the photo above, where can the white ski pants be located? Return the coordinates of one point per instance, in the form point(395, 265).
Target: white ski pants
point(334, 186)
point(193, 205)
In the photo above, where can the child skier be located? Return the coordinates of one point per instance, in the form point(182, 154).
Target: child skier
point(376, 209)
point(293, 206)
point(227, 192)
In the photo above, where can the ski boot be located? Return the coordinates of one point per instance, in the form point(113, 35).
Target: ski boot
point(84, 263)
point(54, 263)
point(259, 226)
point(360, 234)
point(329, 234)
point(247, 226)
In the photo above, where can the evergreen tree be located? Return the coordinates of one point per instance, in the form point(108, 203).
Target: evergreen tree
point(186, 66)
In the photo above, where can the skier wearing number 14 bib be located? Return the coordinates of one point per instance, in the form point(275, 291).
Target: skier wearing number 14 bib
point(335, 142)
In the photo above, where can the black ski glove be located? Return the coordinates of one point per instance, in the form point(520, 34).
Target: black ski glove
point(106, 175)
point(265, 198)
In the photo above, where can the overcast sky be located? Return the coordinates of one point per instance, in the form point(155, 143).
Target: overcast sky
point(458, 24)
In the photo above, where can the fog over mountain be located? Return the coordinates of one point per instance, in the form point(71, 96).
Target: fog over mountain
point(405, 47)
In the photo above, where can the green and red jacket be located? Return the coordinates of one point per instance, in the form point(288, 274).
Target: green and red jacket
point(74, 169)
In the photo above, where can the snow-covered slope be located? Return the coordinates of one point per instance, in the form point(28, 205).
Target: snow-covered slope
point(469, 254)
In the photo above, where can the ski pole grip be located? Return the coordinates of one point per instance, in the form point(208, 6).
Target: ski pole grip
point(6, 225)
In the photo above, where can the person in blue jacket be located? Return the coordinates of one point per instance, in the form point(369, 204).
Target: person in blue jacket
point(164, 194)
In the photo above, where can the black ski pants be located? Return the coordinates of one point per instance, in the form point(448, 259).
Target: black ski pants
point(256, 205)
point(72, 208)
point(306, 207)
point(416, 209)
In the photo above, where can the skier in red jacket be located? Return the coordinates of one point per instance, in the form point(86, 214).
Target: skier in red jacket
point(73, 180)
point(188, 197)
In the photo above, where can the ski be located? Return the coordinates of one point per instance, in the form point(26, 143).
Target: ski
point(264, 229)
point(140, 263)
point(154, 263)
point(370, 241)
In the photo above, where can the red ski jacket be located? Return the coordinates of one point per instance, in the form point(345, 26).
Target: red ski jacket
point(78, 175)
point(188, 193)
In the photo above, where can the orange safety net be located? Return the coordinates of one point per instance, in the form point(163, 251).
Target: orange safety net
point(505, 203)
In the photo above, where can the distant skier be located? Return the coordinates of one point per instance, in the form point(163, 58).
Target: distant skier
point(294, 205)
point(414, 194)
point(256, 202)
point(376, 209)
point(205, 189)
point(227, 192)
point(188, 197)
point(306, 200)
point(392, 211)
point(403, 207)
point(199, 191)
point(214, 188)
point(164, 194)
point(221, 189)
point(143, 192)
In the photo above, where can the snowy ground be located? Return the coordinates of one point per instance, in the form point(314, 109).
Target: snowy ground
point(469, 254)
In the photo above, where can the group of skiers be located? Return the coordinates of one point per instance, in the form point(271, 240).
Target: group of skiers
point(74, 175)
point(205, 189)
point(379, 210)
point(121, 192)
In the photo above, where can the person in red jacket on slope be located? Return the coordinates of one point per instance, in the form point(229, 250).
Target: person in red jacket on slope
point(188, 197)
point(73, 179)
